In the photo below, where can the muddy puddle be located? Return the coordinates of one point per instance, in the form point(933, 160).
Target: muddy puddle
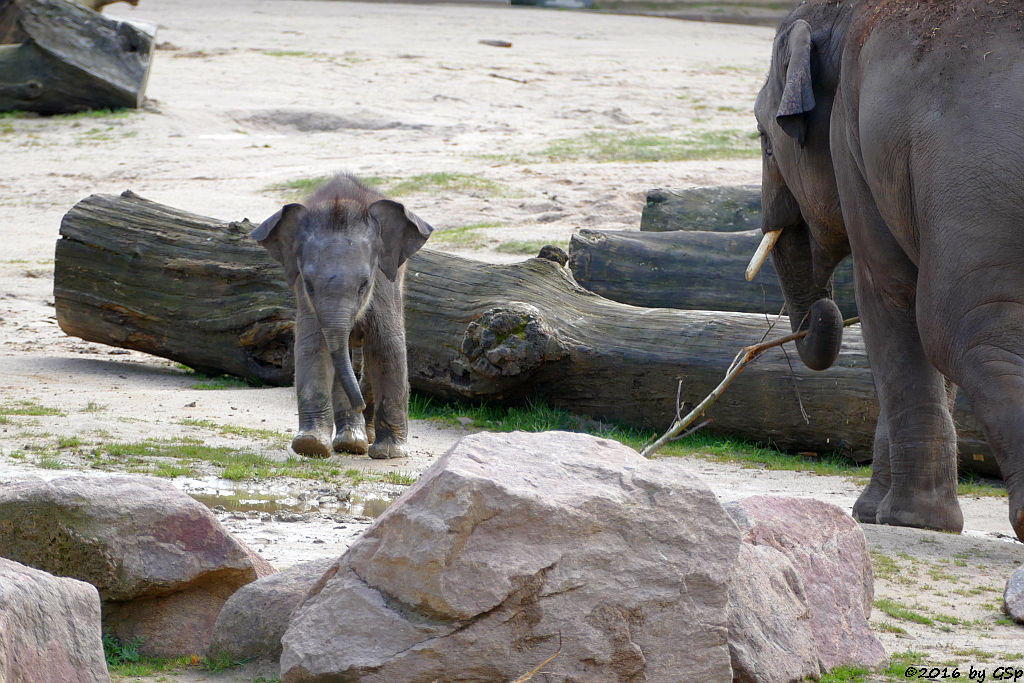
point(285, 503)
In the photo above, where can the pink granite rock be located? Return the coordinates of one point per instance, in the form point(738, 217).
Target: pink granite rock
point(829, 553)
point(49, 628)
point(514, 544)
point(162, 563)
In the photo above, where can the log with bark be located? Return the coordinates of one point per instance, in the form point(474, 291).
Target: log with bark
point(720, 208)
point(691, 270)
point(68, 58)
point(140, 275)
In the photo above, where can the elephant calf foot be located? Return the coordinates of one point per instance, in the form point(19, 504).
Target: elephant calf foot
point(351, 439)
point(389, 446)
point(921, 512)
point(312, 444)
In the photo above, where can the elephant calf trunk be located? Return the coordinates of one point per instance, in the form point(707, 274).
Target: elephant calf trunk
point(343, 367)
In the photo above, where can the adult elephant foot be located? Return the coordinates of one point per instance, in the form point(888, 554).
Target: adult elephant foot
point(313, 444)
point(389, 446)
point(865, 510)
point(921, 510)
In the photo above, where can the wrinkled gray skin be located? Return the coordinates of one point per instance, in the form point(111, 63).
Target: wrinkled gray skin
point(894, 130)
point(343, 254)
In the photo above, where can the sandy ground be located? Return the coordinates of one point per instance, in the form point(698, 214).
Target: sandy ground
point(247, 95)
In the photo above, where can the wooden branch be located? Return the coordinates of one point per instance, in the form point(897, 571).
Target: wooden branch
point(745, 357)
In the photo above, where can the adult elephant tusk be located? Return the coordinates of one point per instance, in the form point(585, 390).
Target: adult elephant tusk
point(761, 255)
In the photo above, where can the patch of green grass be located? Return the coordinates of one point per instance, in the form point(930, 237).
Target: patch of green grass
point(124, 659)
point(846, 674)
point(69, 442)
point(235, 430)
point(444, 182)
point(29, 408)
point(888, 627)
point(291, 53)
point(606, 146)
point(119, 113)
point(220, 663)
point(898, 611)
point(93, 407)
point(400, 478)
point(17, 455)
point(48, 462)
point(524, 247)
point(899, 661)
point(171, 470)
point(972, 485)
point(464, 236)
point(883, 566)
point(355, 476)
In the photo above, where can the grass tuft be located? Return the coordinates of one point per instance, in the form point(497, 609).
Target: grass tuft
point(606, 146)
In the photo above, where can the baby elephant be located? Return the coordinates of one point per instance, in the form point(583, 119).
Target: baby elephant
point(343, 254)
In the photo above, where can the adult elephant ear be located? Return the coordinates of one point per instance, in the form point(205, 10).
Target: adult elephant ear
point(402, 233)
point(277, 236)
point(793, 55)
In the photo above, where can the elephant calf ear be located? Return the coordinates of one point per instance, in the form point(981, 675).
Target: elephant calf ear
point(402, 233)
point(277, 236)
point(793, 52)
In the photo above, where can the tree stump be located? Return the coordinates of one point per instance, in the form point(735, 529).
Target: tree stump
point(136, 274)
point(691, 270)
point(68, 58)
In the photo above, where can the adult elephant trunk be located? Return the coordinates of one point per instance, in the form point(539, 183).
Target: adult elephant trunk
point(806, 279)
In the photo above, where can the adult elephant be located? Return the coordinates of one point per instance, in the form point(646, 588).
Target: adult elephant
point(893, 130)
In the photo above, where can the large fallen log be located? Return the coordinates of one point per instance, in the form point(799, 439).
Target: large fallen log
point(685, 269)
point(139, 275)
point(720, 208)
point(68, 58)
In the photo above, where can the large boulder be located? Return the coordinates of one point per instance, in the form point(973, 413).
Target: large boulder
point(253, 619)
point(514, 547)
point(829, 553)
point(770, 635)
point(162, 563)
point(49, 628)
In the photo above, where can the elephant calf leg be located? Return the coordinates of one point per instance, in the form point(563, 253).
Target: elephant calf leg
point(391, 426)
point(352, 433)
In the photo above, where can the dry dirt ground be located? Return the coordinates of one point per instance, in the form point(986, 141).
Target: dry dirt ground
point(500, 148)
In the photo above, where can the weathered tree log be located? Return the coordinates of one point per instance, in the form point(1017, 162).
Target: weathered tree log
point(721, 208)
point(685, 269)
point(136, 274)
point(69, 58)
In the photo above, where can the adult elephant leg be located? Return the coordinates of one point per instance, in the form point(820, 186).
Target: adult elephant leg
point(972, 313)
point(911, 392)
point(313, 371)
point(866, 508)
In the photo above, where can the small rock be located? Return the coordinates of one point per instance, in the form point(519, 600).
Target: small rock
point(1013, 596)
point(464, 421)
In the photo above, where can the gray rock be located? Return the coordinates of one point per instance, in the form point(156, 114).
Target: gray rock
point(162, 563)
point(513, 543)
point(722, 208)
point(49, 628)
point(829, 553)
point(1013, 596)
point(770, 636)
point(253, 619)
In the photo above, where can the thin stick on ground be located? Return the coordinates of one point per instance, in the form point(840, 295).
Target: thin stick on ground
point(745, 357)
